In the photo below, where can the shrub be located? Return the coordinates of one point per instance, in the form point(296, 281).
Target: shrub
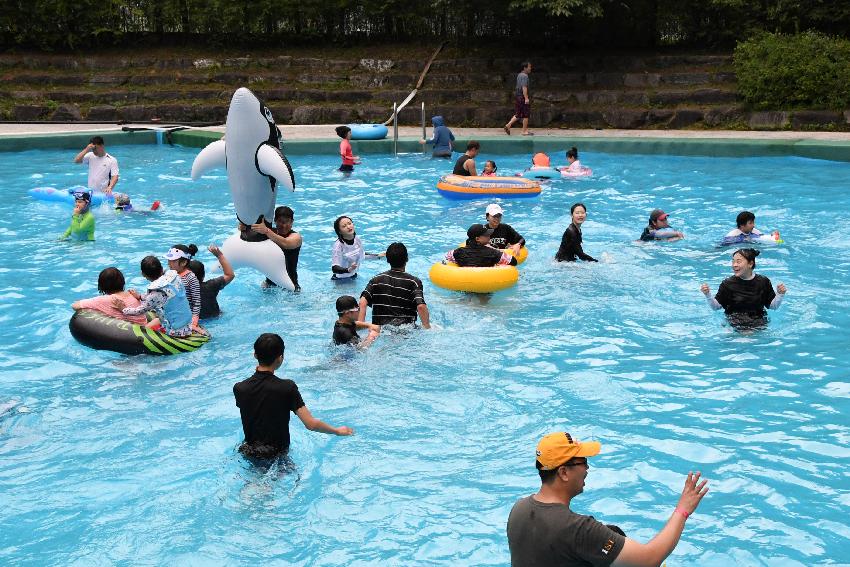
point(806, 70)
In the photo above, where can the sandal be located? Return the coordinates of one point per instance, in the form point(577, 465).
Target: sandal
point(507, 130)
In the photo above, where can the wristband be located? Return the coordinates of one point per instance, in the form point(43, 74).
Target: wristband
point(684, 513)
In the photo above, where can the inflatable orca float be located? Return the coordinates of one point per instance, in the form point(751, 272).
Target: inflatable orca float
point(255, 166)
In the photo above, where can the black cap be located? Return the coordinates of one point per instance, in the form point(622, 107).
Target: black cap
point(346, 303)
point(82, 196)
point(477, 230)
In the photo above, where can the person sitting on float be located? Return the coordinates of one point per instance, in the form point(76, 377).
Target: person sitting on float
point(573, 163)
point(490, 168)
point(110, 283)
point(166, 297)
point(82, 219)
point(504, 235)
point(476, 253)
point(540, 161)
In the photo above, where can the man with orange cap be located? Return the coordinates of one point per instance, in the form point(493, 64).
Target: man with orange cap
point(543, 531)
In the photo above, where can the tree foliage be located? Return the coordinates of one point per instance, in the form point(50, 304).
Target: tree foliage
point(80, 24)
point(808, 70)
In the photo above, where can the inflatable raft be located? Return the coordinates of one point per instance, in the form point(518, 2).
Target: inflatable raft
point(66, 196)
point(475, 187)
point(102, 332)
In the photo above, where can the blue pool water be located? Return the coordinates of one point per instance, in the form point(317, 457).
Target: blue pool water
point(106, 458)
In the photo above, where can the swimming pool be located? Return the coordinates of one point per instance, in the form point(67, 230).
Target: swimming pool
point(106, 458)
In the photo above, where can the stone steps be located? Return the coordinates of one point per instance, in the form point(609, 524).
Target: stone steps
point(621, 91)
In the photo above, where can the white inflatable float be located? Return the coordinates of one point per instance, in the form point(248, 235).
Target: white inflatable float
point(255, 166)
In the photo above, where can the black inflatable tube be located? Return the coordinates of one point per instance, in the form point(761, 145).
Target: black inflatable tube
point(101, 332)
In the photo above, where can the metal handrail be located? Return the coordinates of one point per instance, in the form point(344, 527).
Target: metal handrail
point(395, 129)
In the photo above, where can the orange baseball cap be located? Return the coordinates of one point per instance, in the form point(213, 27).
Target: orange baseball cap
point(556, 449)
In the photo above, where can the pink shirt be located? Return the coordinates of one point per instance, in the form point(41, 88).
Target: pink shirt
point(103, 303)
point(346, 153)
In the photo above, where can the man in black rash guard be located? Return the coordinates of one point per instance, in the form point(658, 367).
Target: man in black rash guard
point(476, 253)
point(465, 164)
point(287, 240)
point(744, 296)
point(265, 402)
point(570, 248)
point(504, 235)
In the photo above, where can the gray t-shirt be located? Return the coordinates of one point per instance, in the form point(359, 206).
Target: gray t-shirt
point(521, 81)
point(552, 535)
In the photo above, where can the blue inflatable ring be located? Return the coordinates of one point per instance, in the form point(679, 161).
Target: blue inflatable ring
point(368, 131)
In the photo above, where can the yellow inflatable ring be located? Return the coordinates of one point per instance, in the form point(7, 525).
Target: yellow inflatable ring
point(522, 257)
point(449, 275)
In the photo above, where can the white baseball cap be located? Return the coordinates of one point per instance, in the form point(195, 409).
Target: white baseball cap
point(494, 209)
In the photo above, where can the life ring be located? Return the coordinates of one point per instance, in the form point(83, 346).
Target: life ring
point(66, 196)
point(475, 187)
point(541, 172)
point(582, 172)
point(449, 275)
point(102, 332)
point(368, 131)
point(520, 258)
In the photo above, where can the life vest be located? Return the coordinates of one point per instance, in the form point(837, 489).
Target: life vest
point(176, 309)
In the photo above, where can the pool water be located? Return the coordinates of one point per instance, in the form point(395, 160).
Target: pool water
point(106, 458)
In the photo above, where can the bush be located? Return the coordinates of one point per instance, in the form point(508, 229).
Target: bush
point(807, 70)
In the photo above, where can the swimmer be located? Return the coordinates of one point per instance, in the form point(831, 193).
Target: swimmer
point(503, 236)
point(110, 283)
point(103, 168)
point(347, 253)
point(570, 248)
point(265, 402)
point(573, 163)
point(476, 253)
point(540, 160)
point(210, 288)
point(123, 204)
point(745, 295)
point(659, 228)
point(441, 140)
point(349, 160)
point(746, 231)
point(178, 258)
point(489, 168)
point(82, 219)
point(345, 328)
point(287, 240)
point(465, 164)
point(166, 297)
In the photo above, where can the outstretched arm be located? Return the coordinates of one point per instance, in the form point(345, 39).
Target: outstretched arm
point(652, 553)
point(229, 274)
point(316, 424)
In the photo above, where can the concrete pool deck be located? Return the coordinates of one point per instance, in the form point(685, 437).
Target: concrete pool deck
point(307, 139)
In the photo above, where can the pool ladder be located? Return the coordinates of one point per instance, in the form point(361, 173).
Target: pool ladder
point(395, 127)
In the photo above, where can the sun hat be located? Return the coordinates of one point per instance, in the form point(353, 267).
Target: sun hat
point(556, 449)
point(494, 209)
point(477, 230)
point(176, 254)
